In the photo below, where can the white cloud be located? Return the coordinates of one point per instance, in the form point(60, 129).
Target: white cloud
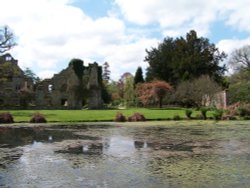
point(50, 33)
point(179, 16)
point(128, 57)
point(229, 45)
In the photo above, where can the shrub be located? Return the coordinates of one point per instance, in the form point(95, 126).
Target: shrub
point(176, 117)
point(229, 117)
point(204, 113)
point(137, 117)
point(38, 118)
point(246, 118)
point(188, 113)
point(120, 117)
point(217, 115)
point(242, 111)
point(198, 117)
point(6, 117)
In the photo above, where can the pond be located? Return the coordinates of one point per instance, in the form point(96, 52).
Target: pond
point(126, 155)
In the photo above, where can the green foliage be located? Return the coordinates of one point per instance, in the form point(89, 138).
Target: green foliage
point(242, 111)
point(239, 88)
point(181, 59)
point(106, 72)
point(176, 118)
point(8, 71)
point(78, 67)
point(138, 76)
point(31, 75)
point(204, 111)
point(217, 115)
point(188, 113)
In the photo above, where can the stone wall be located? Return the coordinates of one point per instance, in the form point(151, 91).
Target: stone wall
point(65, 90)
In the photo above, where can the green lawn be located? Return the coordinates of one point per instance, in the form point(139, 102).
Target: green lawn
point(96, 115)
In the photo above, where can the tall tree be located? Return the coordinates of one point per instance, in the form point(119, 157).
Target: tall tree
point(7, 39)
point(129, 91)
point(30, 74)
point(240, 58)
point(180, 59)
point(138, 76)
point(121, 83)
point(106, 72)
point(239, 87)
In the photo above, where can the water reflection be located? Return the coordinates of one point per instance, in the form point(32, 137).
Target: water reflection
point(150, 156)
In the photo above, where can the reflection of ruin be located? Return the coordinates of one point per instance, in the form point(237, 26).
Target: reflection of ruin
point(72, 88)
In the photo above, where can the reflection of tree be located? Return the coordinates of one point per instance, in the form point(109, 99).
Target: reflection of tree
point(139, 144)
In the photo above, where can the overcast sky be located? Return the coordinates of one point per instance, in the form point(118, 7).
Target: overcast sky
point(51, 32)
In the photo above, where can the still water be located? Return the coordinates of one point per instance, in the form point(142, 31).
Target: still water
point(125, 155)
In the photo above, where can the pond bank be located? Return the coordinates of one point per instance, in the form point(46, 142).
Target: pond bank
point(145, 123)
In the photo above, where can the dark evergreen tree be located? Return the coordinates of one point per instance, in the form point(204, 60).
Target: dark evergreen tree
point(106, 72)
point(181, 59)
point(138, 76)
point(31, 75)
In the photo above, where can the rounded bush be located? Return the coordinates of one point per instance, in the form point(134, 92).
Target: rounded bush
point(137, 117)
point(176, 118)
point(6, 117)
point(38, 118)
point(120, 117)
point(217, 115)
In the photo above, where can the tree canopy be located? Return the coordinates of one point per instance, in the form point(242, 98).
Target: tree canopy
point(138, 76)
point(152, 91)
point(106, 72)
point(239, 88)
point(240, 58)
point(198, 92)
point(7, 39)
point(181, 59)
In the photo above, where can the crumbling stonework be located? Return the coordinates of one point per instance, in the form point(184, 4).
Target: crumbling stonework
point(13, 83)
point(65, 90)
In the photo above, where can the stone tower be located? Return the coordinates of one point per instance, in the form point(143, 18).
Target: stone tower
point(95, 90)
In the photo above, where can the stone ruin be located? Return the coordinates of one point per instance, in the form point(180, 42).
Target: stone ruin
point(68, 89)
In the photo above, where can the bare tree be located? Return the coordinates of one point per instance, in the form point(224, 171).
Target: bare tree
point(7, 39)
point(240, 58)
point(197, 92)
